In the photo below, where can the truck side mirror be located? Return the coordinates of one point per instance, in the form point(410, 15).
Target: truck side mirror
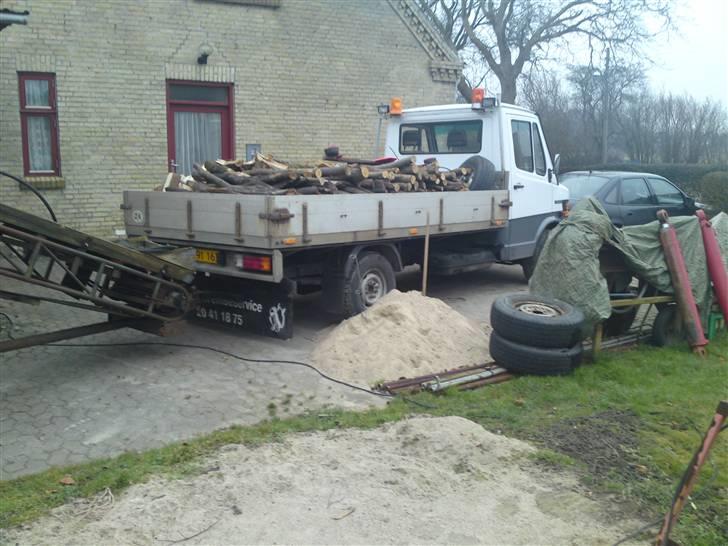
point(557, 164)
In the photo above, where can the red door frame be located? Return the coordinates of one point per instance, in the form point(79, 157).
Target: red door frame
point(225, 109)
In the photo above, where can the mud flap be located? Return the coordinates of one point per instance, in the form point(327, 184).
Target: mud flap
point(258, 307)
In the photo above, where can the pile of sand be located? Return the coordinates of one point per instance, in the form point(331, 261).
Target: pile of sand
point(405, 334)
point(420, 481)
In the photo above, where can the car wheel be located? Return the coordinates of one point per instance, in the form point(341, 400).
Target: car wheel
point(537, 321)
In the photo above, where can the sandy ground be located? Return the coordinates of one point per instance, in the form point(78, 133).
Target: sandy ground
point(419, 481)
point(404, 335)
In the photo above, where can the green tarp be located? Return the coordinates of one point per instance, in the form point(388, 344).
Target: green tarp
point(568, 268)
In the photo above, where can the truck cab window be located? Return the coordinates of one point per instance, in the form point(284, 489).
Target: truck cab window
point(538, 151)
point(522, 150)
point(455, 137)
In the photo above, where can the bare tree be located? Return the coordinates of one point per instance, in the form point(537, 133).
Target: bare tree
point(638, 126)
point(511, 35)
point(600, 92)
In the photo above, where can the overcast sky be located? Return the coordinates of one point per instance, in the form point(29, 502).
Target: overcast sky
point(695, 58)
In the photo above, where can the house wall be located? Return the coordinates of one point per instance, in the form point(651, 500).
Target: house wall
point(305, 75)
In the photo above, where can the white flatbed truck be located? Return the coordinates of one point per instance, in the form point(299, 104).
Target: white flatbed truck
point(253, 251)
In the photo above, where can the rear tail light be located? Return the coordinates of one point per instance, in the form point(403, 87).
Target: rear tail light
point(251, 262)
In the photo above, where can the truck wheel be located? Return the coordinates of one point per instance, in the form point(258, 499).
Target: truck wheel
point(537, 321)
point(371, 278)
point(529, 264)
point(484, 176)
point(619, 324)
point(519, 358)
point(667, 329)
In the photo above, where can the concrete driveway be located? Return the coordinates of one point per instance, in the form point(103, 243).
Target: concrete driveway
point(64, 405)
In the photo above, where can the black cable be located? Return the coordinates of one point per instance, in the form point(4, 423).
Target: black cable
point(231, 355)
point(36, 192)
point(10, 323)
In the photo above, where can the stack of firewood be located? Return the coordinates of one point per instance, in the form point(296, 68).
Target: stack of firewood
point(265, 175)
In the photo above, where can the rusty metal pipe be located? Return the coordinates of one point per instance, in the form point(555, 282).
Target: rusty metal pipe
point(681, 284)
point(714, 258)
point(691, 474)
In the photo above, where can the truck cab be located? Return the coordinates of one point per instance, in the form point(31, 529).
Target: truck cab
point(513, 151)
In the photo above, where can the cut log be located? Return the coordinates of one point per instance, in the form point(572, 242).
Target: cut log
point(215, 168)
point(340, 171)
point(264, 172)
point(379, 186)
point(406, 178)
point(389, 186)
point(386, 175)
point(269, 162)
point(278, 176)
point(352, 189)
point(405, 162)
point(208, 177)
point(358, 174)
point(310, 180)
point(308, 190)
point(235, 178)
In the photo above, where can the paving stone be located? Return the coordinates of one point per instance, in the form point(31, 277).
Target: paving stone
point(68, 405)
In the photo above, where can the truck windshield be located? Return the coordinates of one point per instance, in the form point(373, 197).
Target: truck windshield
point(452, 137)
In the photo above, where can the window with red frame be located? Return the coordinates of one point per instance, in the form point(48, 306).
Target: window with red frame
point(39, 124)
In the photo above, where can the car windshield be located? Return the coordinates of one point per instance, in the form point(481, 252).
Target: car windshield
point(582, 185)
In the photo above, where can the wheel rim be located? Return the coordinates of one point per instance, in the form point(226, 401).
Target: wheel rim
point(373, 287)
point(538, 309)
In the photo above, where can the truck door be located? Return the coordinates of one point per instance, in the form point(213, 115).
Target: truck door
point(531, 192)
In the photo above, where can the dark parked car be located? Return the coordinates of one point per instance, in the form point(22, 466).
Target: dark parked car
point(629, 198)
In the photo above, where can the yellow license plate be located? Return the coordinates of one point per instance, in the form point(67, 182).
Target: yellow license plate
point(207, 256)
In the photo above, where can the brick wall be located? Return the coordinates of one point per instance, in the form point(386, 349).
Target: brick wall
point(306, 74)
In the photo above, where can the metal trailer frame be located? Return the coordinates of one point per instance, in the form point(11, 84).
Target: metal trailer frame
point(143, 290)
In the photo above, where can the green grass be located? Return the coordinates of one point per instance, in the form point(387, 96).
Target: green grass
point(672, 394)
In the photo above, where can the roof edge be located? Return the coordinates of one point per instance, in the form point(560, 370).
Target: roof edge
point(445, 65)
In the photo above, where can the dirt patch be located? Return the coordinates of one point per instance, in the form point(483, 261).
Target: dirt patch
point(405, 334)
point(419, 481)
point(605, 441)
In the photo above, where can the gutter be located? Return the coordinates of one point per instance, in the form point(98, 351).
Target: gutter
point(8, 18)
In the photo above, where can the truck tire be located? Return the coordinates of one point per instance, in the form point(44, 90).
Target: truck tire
point(529, 264)
point(619, 324)
point(537, 321)
point(370, 279)
point(484, 176)
point(667, 330)
point(519, 358)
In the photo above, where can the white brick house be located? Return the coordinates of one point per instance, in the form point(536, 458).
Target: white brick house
point(101, 96)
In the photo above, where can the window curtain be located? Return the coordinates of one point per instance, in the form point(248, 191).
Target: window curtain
point(197, 137)
point(36, 93)
point(39, 143)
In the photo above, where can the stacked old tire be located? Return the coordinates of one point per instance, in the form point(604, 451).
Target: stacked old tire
point(536, 335)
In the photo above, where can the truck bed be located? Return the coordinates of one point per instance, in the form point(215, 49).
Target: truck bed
point(283, 221)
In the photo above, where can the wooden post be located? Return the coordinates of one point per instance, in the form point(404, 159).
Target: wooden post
point(427, 255)
point(597, 341)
